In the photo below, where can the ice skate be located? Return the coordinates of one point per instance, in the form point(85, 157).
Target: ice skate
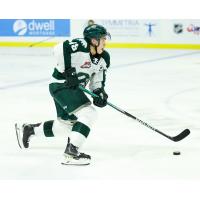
point(73, 157)
point(24, 133)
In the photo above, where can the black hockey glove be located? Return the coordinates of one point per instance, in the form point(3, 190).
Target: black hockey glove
point(101, 100)
point(72, 81)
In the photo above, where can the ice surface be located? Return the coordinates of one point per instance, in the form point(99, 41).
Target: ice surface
point(161, 87)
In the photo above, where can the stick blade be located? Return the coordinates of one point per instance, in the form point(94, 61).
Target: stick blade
point(181, 136)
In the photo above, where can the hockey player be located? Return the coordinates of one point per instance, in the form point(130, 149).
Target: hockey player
point(81, 61)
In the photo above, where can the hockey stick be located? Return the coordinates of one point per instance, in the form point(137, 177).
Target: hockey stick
point(176, 138)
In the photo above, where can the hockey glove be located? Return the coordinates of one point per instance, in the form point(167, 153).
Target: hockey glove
point(101, 100)
point(72, 81)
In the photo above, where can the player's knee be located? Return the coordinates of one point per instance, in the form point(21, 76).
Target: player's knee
point(61, 127)
point(87, 115)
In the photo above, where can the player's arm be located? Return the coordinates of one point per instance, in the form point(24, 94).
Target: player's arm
point(97, 84)
point(70, 72)
point(97, 87)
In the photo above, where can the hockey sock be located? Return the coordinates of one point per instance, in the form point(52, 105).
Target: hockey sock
point(39, 130)
point(45, 129)
point(79, 133)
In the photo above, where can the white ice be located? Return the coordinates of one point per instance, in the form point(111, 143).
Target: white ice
point(160, 87)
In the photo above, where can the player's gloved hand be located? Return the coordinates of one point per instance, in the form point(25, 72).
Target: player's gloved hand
point(101, 100)
point(72, 81)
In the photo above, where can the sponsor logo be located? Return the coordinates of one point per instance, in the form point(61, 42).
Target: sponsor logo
point(20, 27)
point(178, 28)
point(122, 27)
point(150, 28)
point(34, 27)
point(193, 29)
point(120, 23)
point(87, 64)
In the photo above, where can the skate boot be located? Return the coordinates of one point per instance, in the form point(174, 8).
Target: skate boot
point(73, 157)
point(24, 133)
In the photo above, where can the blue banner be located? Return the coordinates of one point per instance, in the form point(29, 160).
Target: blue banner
point(35, 27)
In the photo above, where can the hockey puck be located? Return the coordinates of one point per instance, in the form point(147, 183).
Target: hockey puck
point(176, 153)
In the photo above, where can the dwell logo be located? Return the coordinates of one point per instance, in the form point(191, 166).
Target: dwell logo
point(34, 27)
point(20, 27)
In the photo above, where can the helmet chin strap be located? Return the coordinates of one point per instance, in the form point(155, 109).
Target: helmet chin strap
point(96, 49)
point(96, 46)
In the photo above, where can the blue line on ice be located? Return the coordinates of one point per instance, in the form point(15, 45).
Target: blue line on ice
point(16, 85)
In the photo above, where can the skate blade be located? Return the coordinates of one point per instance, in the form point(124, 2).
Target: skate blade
point(69, 160)
point(18, 134)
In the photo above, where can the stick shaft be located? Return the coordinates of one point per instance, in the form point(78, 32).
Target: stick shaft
point(127, 114)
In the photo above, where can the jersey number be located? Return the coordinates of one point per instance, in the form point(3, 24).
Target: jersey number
point(74, 46)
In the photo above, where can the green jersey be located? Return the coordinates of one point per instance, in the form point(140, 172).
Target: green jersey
point(77, 54)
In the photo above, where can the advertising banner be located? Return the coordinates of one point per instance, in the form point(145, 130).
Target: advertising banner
point(132, 30)
point(122, 28)
point(189, 29)
point(35, 27)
